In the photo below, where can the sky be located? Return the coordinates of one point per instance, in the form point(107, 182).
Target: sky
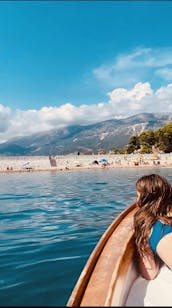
point(82, 62)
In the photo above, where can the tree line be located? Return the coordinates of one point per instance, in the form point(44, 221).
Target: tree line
point(159, 140)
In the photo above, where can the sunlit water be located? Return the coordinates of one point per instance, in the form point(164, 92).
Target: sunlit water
point(49, 224)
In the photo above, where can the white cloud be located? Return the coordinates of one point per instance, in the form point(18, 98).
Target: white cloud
point(138, 99)
point(127, 76)
point(140, 65)
point(121, 102)
point(164, 73)
point(5, 116)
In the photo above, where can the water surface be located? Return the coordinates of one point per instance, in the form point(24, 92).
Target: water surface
point(49, 224)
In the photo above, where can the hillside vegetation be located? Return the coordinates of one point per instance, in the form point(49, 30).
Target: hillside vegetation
point(150, 141)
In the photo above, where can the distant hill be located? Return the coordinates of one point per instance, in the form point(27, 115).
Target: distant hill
point(87, 138)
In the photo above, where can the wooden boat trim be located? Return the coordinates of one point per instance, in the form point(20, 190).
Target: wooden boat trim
point(86, 292)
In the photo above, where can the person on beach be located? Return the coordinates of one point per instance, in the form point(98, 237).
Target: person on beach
point(153, 239)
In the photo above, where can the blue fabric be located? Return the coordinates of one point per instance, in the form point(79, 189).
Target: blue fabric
point(158, 232)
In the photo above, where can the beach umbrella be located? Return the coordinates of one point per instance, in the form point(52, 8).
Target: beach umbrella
point(103, 161)
point(154, 158)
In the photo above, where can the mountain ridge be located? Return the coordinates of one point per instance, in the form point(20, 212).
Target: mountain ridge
point(109, 134)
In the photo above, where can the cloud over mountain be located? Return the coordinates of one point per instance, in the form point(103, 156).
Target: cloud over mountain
point(121, 103)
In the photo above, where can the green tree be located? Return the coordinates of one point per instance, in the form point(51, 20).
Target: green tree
point(134, 144)
point(167, 138)
point(147, 137)
point(145, 148)
point(163, 138)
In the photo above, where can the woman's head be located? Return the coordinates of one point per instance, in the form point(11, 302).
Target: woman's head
point(154, 194)
point(154, 202)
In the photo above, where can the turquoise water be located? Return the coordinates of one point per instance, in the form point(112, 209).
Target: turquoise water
point(49, 224)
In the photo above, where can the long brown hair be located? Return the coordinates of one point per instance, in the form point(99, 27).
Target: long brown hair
point(154, 202)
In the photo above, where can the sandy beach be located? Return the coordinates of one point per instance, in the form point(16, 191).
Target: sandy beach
point(11, 164)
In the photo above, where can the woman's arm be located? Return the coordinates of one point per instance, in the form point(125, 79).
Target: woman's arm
point(149, 265)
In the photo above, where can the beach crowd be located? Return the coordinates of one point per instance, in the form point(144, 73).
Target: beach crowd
point(76, 162)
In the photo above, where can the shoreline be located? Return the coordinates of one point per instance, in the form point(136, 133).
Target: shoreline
point(72, 162)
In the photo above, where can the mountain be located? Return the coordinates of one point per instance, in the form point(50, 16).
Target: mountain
point(106, 135)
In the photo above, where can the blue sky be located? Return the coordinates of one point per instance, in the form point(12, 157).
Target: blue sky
point(79, 62)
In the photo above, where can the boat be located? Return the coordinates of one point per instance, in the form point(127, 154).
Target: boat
point(111, 268)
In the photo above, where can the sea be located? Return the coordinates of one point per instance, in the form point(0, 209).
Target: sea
point(49, 224)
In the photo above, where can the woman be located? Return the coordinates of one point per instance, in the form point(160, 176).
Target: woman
point(153, 239)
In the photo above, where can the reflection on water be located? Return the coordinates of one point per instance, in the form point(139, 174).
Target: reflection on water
point(49, 224)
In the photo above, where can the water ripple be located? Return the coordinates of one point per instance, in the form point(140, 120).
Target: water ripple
point(49, 224)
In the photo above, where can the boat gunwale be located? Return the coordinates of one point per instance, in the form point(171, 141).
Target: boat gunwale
point(81, 285)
